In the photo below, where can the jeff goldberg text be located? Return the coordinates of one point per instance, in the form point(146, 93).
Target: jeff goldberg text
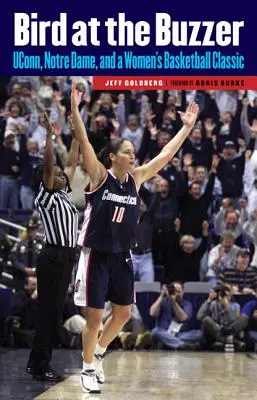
point(53, 61)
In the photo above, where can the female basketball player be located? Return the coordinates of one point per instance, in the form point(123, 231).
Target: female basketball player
point(105, 270)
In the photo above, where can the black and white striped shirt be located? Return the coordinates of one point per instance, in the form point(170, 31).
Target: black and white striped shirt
point(59, 217)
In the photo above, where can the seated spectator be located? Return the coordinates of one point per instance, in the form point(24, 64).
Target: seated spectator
point(222, 256)
point(185, 265)
point(243, 277)
point(72, 319)
point(172, 313)
point(220, 319)
point(25, 254)
point(25, 308)
point(249, 311)
point(24, 311)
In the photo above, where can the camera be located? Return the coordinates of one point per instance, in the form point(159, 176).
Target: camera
point(222, 292)
point(171, 289)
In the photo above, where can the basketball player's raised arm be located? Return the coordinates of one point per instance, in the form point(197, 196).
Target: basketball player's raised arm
point(147, 171)
point(94, 168)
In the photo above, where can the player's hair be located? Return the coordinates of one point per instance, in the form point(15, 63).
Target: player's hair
point(113, 146)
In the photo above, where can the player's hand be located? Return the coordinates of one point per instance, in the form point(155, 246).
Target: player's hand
point(75, 96)
point(189, 117)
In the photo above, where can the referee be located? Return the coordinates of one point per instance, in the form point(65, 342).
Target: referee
point(60, 221)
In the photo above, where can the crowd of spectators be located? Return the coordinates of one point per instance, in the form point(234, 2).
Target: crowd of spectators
point(198, 216)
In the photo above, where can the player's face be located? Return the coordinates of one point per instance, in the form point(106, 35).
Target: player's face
point(125, 157)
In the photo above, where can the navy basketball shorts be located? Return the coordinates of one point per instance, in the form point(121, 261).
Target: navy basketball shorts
point(102, 277)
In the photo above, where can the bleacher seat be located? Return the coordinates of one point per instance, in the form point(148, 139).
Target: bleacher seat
point(146, 294)
point(197, 287)
point(147, 287)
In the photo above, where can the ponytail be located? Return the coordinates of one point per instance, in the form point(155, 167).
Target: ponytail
point(103, 157)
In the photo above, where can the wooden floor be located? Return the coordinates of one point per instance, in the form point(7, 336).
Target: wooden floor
point(167, 375)
point(142, 375)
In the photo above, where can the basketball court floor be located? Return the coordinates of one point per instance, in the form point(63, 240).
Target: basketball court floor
point(138, 376)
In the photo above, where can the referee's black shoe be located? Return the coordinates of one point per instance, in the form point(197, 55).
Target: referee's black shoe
point(49, 375)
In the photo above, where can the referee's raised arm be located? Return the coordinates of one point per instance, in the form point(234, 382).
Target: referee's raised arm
point(48, 161)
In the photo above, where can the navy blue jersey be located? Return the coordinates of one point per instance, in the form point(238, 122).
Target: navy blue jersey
point(111, 215)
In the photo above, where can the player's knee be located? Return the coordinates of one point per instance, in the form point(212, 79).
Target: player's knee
point(94, 320)
point(123, 315)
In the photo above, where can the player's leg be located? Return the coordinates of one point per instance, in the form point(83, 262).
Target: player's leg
point(120, 316)
point(112, 327)
point(90, 292)
point(121, 294)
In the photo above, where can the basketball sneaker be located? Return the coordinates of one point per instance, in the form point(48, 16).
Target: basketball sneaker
point(88, 381)
point(98, 363)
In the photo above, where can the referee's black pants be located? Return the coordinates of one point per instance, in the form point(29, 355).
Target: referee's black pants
point(53, 277)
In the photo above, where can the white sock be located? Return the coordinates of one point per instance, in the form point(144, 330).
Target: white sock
point(88, 366)
point(100, 350)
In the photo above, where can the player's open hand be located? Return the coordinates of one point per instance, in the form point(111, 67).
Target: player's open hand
point(189, 117)
point(76, 96)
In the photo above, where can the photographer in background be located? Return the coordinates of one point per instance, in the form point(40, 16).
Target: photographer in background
point(172, 315)
point(221, 320)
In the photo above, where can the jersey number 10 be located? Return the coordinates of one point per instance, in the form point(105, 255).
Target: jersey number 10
point(118, 214)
